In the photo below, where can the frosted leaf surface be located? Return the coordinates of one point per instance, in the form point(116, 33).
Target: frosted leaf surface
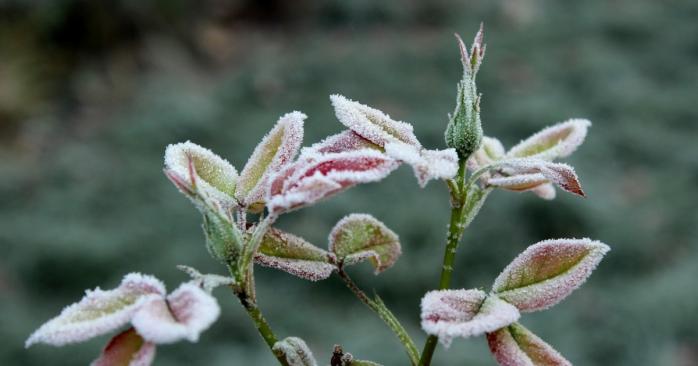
point(126, 349)
point(99, 311)
point(295, 351)
point(347, 140)
point(372, 124)
point(186, 312)
point(520, 182)
point(545, 191)
point(547, 272)
point(358, 237)
point(464, 313)
point(557, 141)
point(277, 149)
point(317, 176)
point(517, 346)
point(561, 175)
point(294, 255)
point(206, 281)
point(192, 167)
point(427, 164)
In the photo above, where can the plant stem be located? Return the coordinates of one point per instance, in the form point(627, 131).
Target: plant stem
point(386, 315)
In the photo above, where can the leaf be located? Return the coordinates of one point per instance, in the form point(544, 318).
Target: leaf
point(557, 141)
point(206, 281)
point(194, 169)
point(464, 313)
point(358, 237)
point(99, 311)
point(427, 164)
point(519, 182)
point(294, 255)
point(127, 349)
point(517, 346)
point(185, 313)
point(295, 352)
point(545, 191)
point(490, 151)
point(277, 149)
point(371, 123)
point(346, 140)
point(561, 175)
point(548, 271)
point(317, 176)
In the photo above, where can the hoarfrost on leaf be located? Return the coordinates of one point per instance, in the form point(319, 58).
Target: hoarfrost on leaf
point(547, 272)
point(346, 140)
point(556, 141)
point(427, 164)
point(358, 237)
point(295, 352)
point(464, 313)
point(127, 349)
point(294, 255)
point(522, 171)
point(517, 346)
point(99, 311)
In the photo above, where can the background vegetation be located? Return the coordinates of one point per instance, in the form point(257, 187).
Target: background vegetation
point(92, 91)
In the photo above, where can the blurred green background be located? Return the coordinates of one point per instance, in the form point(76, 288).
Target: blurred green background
point(92, 91)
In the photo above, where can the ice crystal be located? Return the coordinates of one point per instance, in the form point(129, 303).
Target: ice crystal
point(517, 346)
point(127, 349)
point(295, 352)
point(427, 164)
point(547, 272)
point(464, 313)
point(294, 255)
point(358, 237)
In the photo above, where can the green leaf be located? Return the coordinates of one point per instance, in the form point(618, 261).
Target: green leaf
point(358, 237)
point(294, 255)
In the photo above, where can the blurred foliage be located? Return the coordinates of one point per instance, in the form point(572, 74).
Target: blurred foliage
point(92, 91)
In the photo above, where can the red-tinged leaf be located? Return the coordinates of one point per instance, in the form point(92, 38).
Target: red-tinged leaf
point(547, 272)
point(126, 349)
point(517, 346)
point(464, 313)
point(371, 123)
point(553, 142)
point(561, 175)
point(187, 311)
point(294, 255)
point(347, 140)
point(358, 237)
point(520, 182)
point(427, 164)
point(99, 311)
point(317, 176)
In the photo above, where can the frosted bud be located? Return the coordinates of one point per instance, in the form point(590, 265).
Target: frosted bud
point(464, 313)
point(517, 346)
point(294, 255)
point(547, 272)
point(358, 237)
point(128, 349)
point(277, 149)
point(427, 164)
point(295, 352)
point(221, 240)
point(557, 141)
point(471, 62)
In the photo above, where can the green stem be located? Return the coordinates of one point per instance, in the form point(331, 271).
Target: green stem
point(260, 322)
point(386, 315)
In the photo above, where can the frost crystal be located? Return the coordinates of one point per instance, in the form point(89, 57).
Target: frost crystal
point(371, 123)
point(185, 313)
point(358, 237)
point(277, 149)
point(347, 140)
point(99, 312)
point(316, 176)
point(294, 255)
point(295, 351)
point(464, 313)
point(193, 169)
point(128, 349)
point(427, 164)
point(557, 141)
point(517, 346)
point(547, 272)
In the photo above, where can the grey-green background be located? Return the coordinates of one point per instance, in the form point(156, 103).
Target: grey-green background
point(92, 91)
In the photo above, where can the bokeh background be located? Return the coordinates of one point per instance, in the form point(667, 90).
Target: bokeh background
point(92, 91)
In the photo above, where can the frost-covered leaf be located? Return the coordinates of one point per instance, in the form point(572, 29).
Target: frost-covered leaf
point(548, 271)
point(490, 151)
point(371, 123)
point(517, 346)
point(295, 351)
point(206, 281)
point(277, 149)
point(317, 176)
point(358, 237)
point(427, 164)
point(99, 311)
point(197, 170)
point(186, 312)
point(519, 182)
point(553, 142)
point(294, 255)
point(464, 313)
point(527, 174)
point(346, 140)
point(545, 191)
point(126, 349)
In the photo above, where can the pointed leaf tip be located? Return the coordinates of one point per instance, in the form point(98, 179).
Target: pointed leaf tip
point(517, 346)
point(547, 272)
point(358, 237)
point(294, 255)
